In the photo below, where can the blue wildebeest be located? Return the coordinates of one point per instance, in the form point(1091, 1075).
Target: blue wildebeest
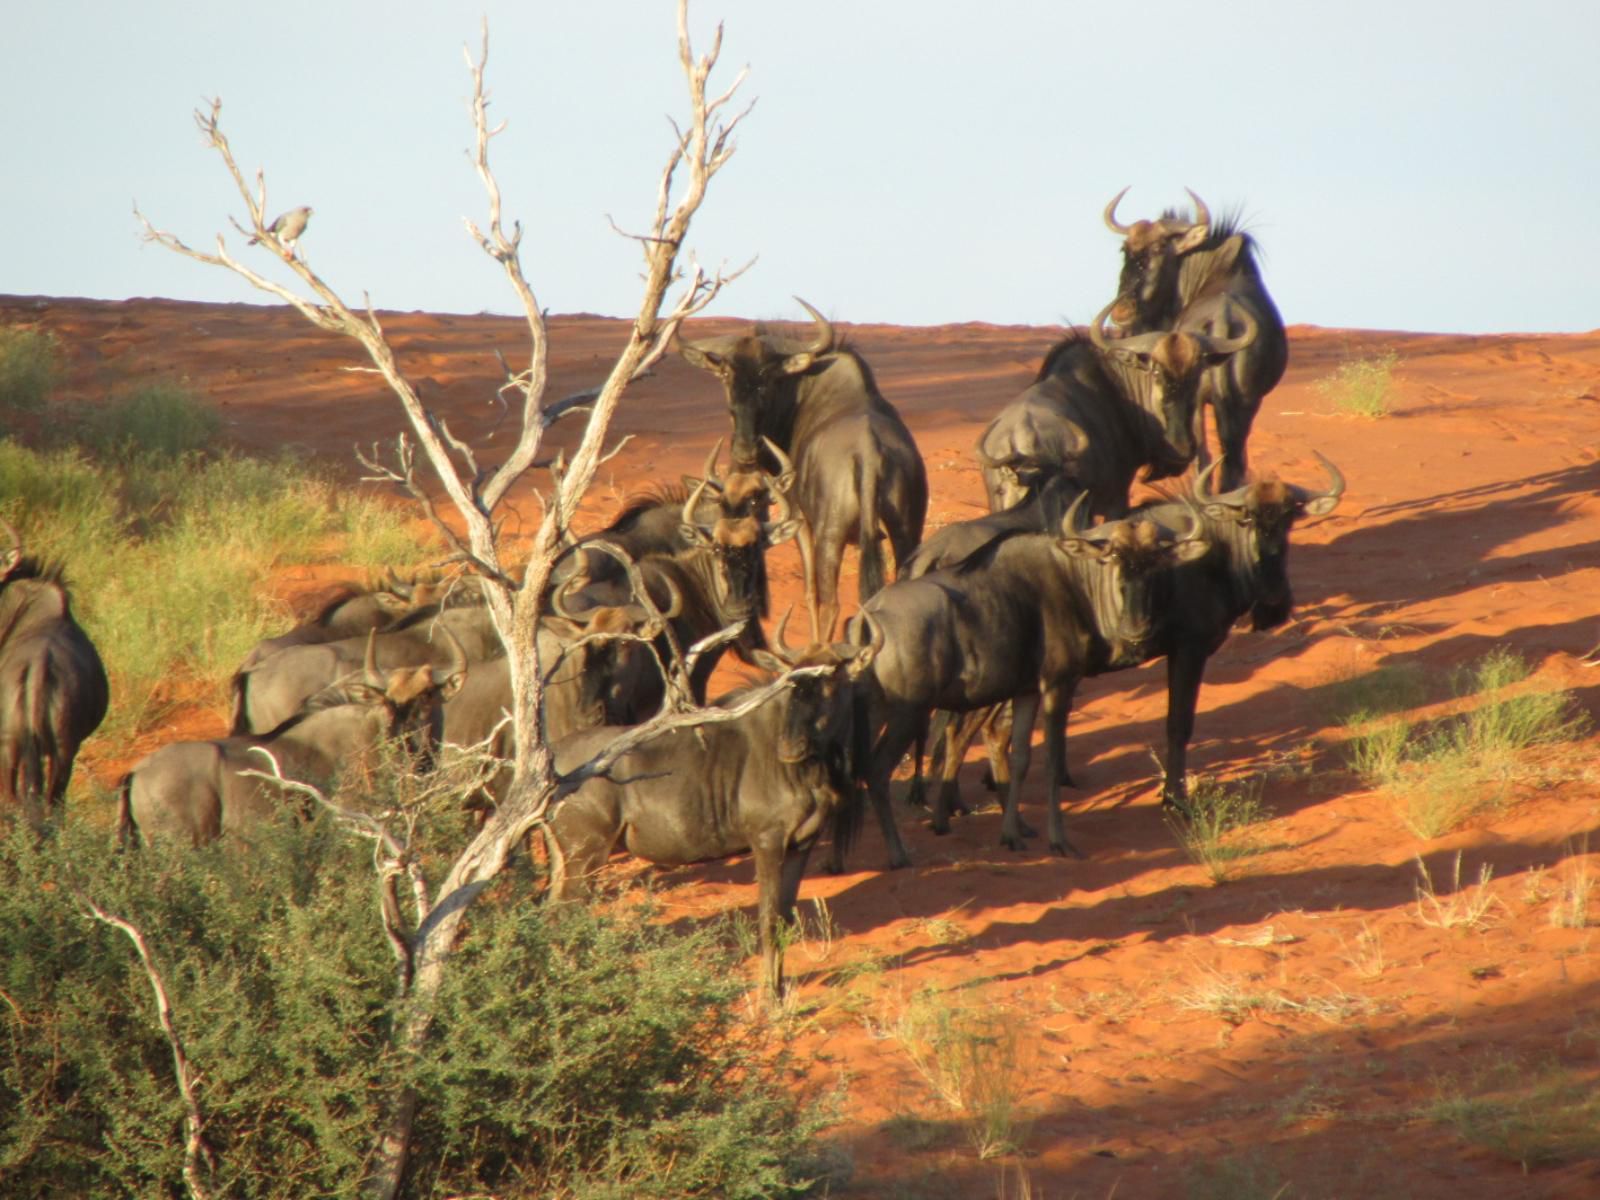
point(1197, 603)
point(769, 782)
point(1201, 276)
point(1021, 620)
point(197, 791)
point(858, 476)
point(53, 690)
point(1099, 411)
point(271, 691)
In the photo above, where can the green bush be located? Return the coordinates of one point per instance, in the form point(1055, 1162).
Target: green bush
point(30, 368)
point(1363, 387)
point(589, 1055)
point(161, 419)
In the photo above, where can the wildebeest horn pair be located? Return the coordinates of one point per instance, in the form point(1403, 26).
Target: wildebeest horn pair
point(375, 678)
point(1146, 343)
point(1314, 503)
point(1171, 225)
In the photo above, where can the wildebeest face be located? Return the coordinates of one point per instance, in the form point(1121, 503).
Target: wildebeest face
point(817, 713)
point(1151, 254)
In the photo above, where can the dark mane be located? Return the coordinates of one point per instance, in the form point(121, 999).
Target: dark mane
point(1073, 339)
point(638, 503)
point(34, 568)
point(1223, 227)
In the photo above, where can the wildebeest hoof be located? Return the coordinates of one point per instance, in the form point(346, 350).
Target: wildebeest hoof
point(1026, 830)
point(1067, 849)
point(942, 828)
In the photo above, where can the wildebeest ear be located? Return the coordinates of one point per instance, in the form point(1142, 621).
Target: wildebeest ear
point(797, 364)
point(777, 534)
point(390, 603)
point(1081, 547)
point(769, 661)
point(692, 482)
point(1187, 552)
point(1191, 239)
point(452, 684)
point(693, 534)
point(706, 360)
point(1226, 254)
point(1322, 506)
point(364, 693)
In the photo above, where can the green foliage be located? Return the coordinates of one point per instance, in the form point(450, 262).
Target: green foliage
point(1238, 1177)
point(577, 1054)
point(165, 420)
point(1445, 773)
point(1363, 387)
point(1535, 1114)
point(30, 368)
point(379, 534)
point(167, 555)
point(1214, 830)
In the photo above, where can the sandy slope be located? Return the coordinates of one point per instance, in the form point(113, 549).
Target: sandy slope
point(1471, 522)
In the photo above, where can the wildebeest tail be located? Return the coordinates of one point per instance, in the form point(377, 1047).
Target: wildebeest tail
point(236, 692)
point(871, 537)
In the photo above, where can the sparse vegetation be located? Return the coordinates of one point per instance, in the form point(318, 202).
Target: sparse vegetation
point(1535, 1114)
point(30, 368)
point(1215, 831)
point(1236, 998)
point(1459, 909)
point(969, 1058)
point(1444, 773)
point(1576, 889)
point(1362, 387)
point(1240, 1177)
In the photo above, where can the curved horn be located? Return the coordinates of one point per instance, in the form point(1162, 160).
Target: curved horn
point(1197, 525)
point(780, 643)
point(994, 464)
point(1202, 214)
point(1070, 523)
point(785, 463)
point(1110, 215)
point(558, 598)
point(1097, 327)
point(458, 657)
point(692, 503)
point(369, 663)
point(824, 339)
point(1227, 345)
point(709, 472)
point(674, 608)
point(1335, 486)
point(1203, 480)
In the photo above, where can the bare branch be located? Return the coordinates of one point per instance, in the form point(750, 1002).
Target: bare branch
point(194, 1146)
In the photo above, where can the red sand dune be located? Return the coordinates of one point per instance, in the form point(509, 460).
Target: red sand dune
point(1470, 523)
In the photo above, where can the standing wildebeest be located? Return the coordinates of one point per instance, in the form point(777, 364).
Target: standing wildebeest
point(1196, 604)
point(1099, 410)
point(199, 790)
point(53, 690)
point(768, 782)
point(1021, 620)
point(857, 473)
point(1201, 276)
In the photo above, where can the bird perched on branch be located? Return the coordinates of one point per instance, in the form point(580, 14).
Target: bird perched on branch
point(288, 226)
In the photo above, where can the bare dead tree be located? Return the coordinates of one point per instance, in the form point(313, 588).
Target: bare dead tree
point(195, 1150)
point(700, 149)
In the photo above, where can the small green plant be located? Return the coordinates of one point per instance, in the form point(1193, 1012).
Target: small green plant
point(1239, 1177)
point(1362, 387)
point(1215, 830)
point(161, 419)
point(969, 1058)
point(30, 368)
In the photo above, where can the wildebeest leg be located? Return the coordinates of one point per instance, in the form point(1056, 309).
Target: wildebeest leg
point(958, 734)
point(1233, 431)
point(767, 847)
point(915, 794)
point(1012, 828)
point(829, 551)
point(891, 747)
point(996, 742)
point(1184, 672)
point(580, 839)
point(1057, 704)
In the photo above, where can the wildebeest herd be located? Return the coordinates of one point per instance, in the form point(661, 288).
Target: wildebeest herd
point(982, 627)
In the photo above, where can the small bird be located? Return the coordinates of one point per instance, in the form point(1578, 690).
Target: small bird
point(289, 226)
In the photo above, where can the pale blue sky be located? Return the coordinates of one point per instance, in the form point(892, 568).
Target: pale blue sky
point(1427, 166)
